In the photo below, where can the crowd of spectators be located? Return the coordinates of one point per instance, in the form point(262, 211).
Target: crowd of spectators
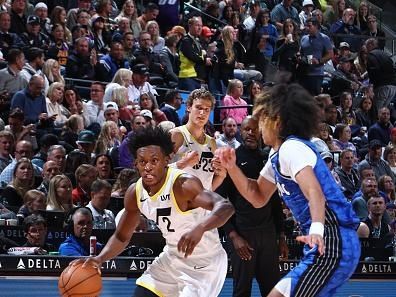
point(79, 77)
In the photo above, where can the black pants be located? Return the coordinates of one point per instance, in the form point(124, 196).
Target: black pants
point(264, 265)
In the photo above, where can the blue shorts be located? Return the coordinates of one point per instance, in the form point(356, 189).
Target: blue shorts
point(322, 275)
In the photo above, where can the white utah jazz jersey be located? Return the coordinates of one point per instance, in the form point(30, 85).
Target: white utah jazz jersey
point(203, 169)
point(162, 208)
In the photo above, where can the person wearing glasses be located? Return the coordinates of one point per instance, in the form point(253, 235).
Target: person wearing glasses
point(374, 31)
point(94, 109)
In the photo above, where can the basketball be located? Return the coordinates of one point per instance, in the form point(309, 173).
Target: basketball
point(78, 281)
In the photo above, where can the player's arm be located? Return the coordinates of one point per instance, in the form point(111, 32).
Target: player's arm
point(190, 194)
point(190, 159)
point(312, 190)
point(257, 192)
point(122, 235)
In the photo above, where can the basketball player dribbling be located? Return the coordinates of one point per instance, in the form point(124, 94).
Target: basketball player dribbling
point(288, 117)
point(193, 262)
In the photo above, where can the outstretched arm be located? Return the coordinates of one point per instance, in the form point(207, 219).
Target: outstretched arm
point(190, 194)
point(257, 192)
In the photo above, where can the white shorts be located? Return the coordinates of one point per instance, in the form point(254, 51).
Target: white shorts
point(171, 276)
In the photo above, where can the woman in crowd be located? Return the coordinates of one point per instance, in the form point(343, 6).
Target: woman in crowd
point(69, 102)
point(390, 157)
point(102, 37)
point(129, 11)
point(85, 175)
point(125, 178)
point(120, 97)
point(264, 29)
point(34, 201)
point(73, 125)
point(109, 137)
point(323, 140)
point(148, 101)
point(54, 96)
point(158, 41)
point(365, 114)
point(123, 77)
point(58, 16)
point(51, 70)
point(254, 89)
point(361, 16)
point(287, 47)
point(342, 137)
point(360, 64)
point(22, 181)
point(58, 48)
point(386, 185)
point(104, 166)
point(60, 194)
point(227, 14)
point(233, 98)
point(334, 12)
point(345, 113)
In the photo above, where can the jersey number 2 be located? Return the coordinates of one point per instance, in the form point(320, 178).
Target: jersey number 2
point(165, 213)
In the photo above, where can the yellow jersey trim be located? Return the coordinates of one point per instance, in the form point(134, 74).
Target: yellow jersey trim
point(150, 288)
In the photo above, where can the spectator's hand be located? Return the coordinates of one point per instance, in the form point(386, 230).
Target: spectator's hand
point(189, 241)
point(313, 240)
point(53, 117)
point(43, 116)
point(28, 129)
point(239, 65)
point(208, 61)
point(242, 247)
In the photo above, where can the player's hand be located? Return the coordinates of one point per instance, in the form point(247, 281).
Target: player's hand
point(242, 247)
point(189, 241)
point(312, 240)
point(218, 169)
point(90, 261)
point(226, 156)
point(190, 159)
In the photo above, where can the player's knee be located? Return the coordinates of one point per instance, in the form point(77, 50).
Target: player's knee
point(143, 292)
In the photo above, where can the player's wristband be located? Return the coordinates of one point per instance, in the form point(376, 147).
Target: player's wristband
point(316, 228)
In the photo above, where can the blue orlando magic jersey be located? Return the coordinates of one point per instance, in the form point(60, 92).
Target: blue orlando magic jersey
point(337, 205)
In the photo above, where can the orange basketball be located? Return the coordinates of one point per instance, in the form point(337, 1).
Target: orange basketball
point(78, 281)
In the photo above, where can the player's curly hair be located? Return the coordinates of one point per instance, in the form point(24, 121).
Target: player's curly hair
point(296, 109)
point(150, 136)
point(201, 93)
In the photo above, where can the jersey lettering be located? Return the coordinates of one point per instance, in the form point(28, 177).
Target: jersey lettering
point(282, 189)
point(205, 162)
point(165, 213)
point(165, 197)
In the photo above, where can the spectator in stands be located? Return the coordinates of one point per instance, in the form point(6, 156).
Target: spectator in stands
point(390, 155)
point(16, 119)
point(342, 137)
point(33, 37)
point(58, 16)
point(125, 156)
point(100, 198)
point(81, 63)
point(345, 113)
point(381, 130)
point(41, 10)
point(170, 60)
point(381, 74)
point(230, 130)
point(8, 40)
point(104, 166)
point(80, 224)
point(283, 11)
point(7, 141)
point(35, 229)
point(123, 77)
point(108, 139)
point(153, 30)
point(72, 14)
point(250, 21)
point(57, 153)
point(233, 98)
point(172, 103)
point(33, 201)
point(86, 142)
point(264, 29)
point(145, 55)
point(85, 175)
point(140, 84)
point(344, 80)
point(94, 109)
point(149, 102)
point(60, 194)
point(128, 41)
point(365, 114)
point(363, 12)
point(123, 27)
point(110, 63)
point(50, 169)
point(306, 12)
point(373, 158)
point(150, 13)
point(375, 32)
point(23, 149)
point(323, 26)
point(254, 89)
point(387, 186)
point(46, 141)
point(58, 48)
point(318, 46)
point(111, 111)
point(11, 80)
point(360, 63)
point(35, 62)
point(287, 47)
point(102, 37)
point(192, 57)
point(347, 174)
point(22, 181)
point(346, 26)
point(18, 17)
point(125, 178)
point(369, 188)
point(54, 108)
point(32, 102)
point(129, 11)
point(51, 70)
